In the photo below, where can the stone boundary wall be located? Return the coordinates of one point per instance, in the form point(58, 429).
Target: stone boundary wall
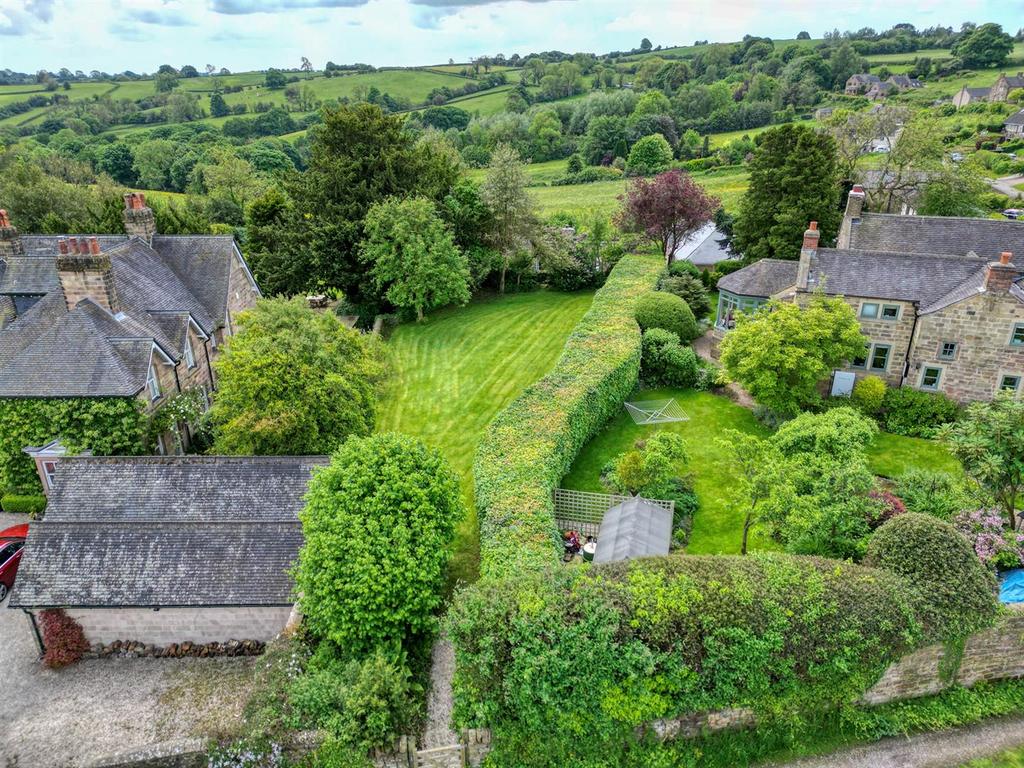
point(474, 745)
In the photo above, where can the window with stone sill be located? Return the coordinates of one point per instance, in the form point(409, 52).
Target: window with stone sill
point(869, 310)
point(880, 357)
point(930, 378)
point(947, 350)
point(891, 312)
point(153, 383)
point(1017, 337)
point(1010, 383)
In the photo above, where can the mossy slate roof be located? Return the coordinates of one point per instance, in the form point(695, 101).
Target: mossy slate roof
point(167, 531)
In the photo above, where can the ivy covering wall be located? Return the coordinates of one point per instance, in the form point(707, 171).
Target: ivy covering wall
point(104, 425)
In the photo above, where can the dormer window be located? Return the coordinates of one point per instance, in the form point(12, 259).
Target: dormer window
point(190, 357)
point(153, 383)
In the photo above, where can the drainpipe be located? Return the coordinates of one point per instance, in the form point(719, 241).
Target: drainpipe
point(209, 365)
point(35, 631)
point(910, 345)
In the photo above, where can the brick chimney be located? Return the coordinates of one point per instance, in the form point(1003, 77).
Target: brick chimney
point(807, 253)
point(86, 273)
point(999, 275)
point(138, 217)
point(10, 240)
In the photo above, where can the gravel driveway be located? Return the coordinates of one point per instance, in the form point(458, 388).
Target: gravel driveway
point(101, 707)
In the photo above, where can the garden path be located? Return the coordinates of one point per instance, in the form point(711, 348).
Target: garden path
point(438, 731)
point(939, 749)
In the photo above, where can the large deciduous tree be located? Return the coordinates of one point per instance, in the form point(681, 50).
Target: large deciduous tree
point(783, 351)
point(412, 257)
point(293, 381)
point(666, 209)
point(986, 46)
point(989, 442)
point(793, 180)
point(378, 526)
point(359, 156)
point(514, 219)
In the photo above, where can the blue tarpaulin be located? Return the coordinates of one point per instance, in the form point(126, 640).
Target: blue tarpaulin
point(1011, 589)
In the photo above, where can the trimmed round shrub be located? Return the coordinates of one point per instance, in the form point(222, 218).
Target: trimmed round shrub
point(689, 289)
point(666, 361)
point(651, 154)
point(868, 394)
point(953, 592)
point(665, 310)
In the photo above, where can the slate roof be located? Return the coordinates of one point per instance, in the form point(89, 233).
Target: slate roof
point(865, 78)
point(1015, 81)
point(904, 81)
point(920, 278)
point(634, 528)
point(50, 351)
point(1015, 119)
point(762, 279)
point(706, 247)
point(948, 235)
point(167, 531)
point(978, 93)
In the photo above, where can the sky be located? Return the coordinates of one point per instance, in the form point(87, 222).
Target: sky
point(139, 35)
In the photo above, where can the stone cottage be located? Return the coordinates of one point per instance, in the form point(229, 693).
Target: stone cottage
point(998, 91)
point(939, 298)
point(141, 315)
point(166, 550)
point(1014, 125)
point(860, 83)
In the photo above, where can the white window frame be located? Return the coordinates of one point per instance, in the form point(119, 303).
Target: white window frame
point(878, 310)
point(153, 383)
point(49, 467)
point(938, 379)
point(190, 355)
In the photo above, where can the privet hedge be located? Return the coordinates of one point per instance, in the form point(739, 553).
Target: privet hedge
point(583, 656)
point(530, 445)
point(104, 425)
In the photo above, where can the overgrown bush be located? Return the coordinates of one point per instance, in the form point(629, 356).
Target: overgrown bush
point(914, 413)
point(531, 444)
point(664, 310)
point(29, 504)
point(364, 704)
point(63, 638)
point(953, 593)
point(666, 361)
point(378, 525)
point(658, 637)
point(689, 289)
point(868, 394)
point(939, 494)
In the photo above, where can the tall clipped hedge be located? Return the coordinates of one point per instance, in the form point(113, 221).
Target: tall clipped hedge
point(104, 425)
point(566, 663)
point(530, 445)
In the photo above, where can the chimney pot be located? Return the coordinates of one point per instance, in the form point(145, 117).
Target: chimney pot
point(1005, 257)
point(73, 244)
point(62, 245)
point(5, 220)
point(94, 245)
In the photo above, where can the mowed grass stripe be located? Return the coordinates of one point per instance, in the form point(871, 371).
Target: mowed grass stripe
point(452, 373)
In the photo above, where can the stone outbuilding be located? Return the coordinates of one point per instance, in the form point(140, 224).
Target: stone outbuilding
point(168, 550)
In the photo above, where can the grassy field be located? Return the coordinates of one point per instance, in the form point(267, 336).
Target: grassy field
point(577, 199)
point(456, 370)
point(717, 526)
point(1011, 759)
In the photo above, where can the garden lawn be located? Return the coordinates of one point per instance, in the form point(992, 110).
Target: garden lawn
point(453, 372)
point(718, 524)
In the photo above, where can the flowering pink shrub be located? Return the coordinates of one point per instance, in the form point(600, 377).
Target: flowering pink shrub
point(995, 545)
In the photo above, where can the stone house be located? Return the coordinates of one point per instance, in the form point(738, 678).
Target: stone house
point(939, 298)
point(998, 91)
point(860, 83)
point(1014, 125)
point(137, 316)
point(166, 550)
point(880, 90)
point(905, 82)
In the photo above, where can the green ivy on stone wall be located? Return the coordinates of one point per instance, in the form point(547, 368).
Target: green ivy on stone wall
point(103, 425)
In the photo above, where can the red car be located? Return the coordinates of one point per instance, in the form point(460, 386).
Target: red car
point(12, 540)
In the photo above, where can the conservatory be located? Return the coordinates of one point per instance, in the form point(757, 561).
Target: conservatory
point(731, 304)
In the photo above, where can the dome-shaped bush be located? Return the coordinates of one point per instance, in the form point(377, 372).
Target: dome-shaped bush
point(665, 310)
point(953, 592)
